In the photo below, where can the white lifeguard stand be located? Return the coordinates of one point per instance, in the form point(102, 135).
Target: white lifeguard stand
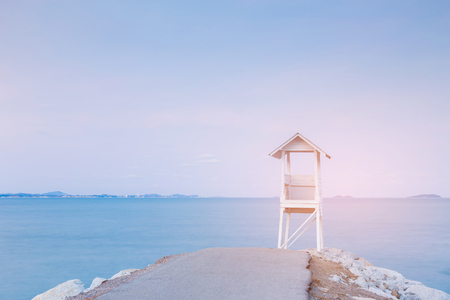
point(299, 193)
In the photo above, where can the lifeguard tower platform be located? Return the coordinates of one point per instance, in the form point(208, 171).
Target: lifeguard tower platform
point(299, 193)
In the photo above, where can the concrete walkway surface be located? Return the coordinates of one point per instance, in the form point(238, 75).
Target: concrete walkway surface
point(223, 273)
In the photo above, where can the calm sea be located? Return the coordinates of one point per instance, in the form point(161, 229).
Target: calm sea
point(44, 242)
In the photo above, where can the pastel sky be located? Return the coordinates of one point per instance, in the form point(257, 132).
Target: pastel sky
point(190, 97)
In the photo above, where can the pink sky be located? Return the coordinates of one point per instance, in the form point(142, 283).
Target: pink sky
point(127, 97)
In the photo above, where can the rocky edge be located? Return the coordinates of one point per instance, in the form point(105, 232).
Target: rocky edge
point(383, 282)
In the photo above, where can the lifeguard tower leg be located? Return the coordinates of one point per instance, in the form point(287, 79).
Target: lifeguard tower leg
point(319, 229)
point(321, 232)
point(280, 230)
point(286, 233)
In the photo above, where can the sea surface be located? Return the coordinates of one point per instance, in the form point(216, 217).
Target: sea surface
point(47, 241)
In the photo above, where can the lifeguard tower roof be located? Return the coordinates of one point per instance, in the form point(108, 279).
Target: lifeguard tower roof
point(297, 143)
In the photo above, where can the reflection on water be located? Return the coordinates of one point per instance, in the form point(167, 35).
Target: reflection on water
point(44, 242)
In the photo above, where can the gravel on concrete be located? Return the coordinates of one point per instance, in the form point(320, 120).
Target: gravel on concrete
point(110, 284)
point(223, 273)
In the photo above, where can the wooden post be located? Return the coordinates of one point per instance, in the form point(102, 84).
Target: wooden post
point(319, 189)
point(283, 192)
point(288, 191)
point(280, 229)
point(318, 199)
point(286, 234)
point(321, 226)
point(288, 154)
point(282, 197)
point(319, 178)
point(318, 229)
point(316, 176)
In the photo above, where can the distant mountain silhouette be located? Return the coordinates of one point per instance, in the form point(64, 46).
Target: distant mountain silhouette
point(426, 196)
point(28, 195)
point(57, 193)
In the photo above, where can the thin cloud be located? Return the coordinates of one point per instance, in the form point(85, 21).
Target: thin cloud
point(130, 176)
point(208, 161)
point(203, 159)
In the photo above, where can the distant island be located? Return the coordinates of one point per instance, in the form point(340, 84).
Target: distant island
point(426, 196)
point(339, 196)
point(58, 194)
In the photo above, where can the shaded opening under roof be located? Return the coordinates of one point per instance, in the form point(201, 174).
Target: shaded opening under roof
point(297, 143)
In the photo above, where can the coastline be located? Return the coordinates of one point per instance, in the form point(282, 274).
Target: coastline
point(335, 274)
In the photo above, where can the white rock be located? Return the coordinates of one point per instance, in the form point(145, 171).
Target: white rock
point(333, 250)
point(412, 282)
point(381, 293)
point(95, 283)
point(366, 263)
point(426, 293)
point(374, 273)
point(337, 278)
point(408, 297)
point(361, 282)
point(393, 286)
point(392, 275)
point(61, 291)
point(379, 284)
point(351, 256)
point(359, 264)
point(355, 271)
point(346, 261)
point(124, 273)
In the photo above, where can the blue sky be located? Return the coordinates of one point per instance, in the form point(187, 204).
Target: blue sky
point(127, 97)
